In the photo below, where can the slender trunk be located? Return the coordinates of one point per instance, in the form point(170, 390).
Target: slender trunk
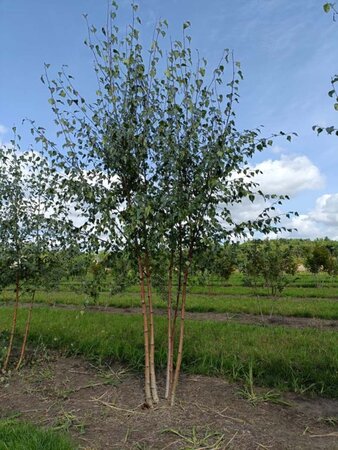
point(147, 389)
point(170, 346)
point(178, 295)
point(15, 316)
point(181, 338)
point(179, 286)
point(173, 326)
point(153, 385)
point(24, 342)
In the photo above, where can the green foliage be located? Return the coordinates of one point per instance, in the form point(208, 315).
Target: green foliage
point(94, 284)
point(113, 271)
point(77, 263)
point(122, 272)
point(156, 162)
point(211, 260)
point(16, 435)
point(319, 259)
point(269, 262)
point(31, 234)
point(226, 262)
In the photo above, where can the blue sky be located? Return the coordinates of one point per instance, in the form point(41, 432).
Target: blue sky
point(288, 51)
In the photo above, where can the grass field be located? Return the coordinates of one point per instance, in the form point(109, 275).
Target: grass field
point(302, 360)
point(313, 302)
point(294, 359)
point(16, 435)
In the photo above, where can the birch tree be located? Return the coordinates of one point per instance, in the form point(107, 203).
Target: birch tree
point(155, 164)
point(30, 231)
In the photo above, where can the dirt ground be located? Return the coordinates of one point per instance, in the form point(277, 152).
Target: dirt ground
point(101, 407)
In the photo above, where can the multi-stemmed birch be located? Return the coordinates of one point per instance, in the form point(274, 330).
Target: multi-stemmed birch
point(155, 164)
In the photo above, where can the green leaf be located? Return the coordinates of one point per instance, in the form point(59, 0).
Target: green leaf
point(186, 25)
point(336, 106)
point(202, 71)
point(327, 7)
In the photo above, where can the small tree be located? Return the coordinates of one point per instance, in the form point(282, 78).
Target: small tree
point(251, 265)
point(28, 229)
point(272, 263)
point(214, 260)
point(319, 260)
point(155, 164)
point(122, 272)
point(95, 280)
point(226, 261)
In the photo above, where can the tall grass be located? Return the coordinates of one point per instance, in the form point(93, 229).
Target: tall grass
point(23, 436)
point(280, 357)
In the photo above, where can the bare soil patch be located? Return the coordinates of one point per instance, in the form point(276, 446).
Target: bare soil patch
point(102, 409)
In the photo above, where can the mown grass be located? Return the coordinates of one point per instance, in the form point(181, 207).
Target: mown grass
point(296, 359)
point(324, 309)
point(16, 435)
point(300, 279)
point(290, 291)
point(321, 302)
point(291, 307)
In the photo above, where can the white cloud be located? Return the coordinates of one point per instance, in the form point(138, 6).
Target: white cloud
point(276, 149)
point(247, 210)
point(326, 210)
point(321, 221)
point(288, 175)
point(3, 129)
point(291, 175)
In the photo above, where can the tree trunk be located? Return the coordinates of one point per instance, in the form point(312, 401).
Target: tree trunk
point(15, 316)
point(181, 338)
point(170, 343)
point(153, 385)
point(28, 322)
point(173, 325)
point(147, 388)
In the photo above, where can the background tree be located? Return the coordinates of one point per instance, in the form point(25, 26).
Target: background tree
point(95, 279)
point(226, 261)
point(30, 230)
point(269, 264)
point(319, 259)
